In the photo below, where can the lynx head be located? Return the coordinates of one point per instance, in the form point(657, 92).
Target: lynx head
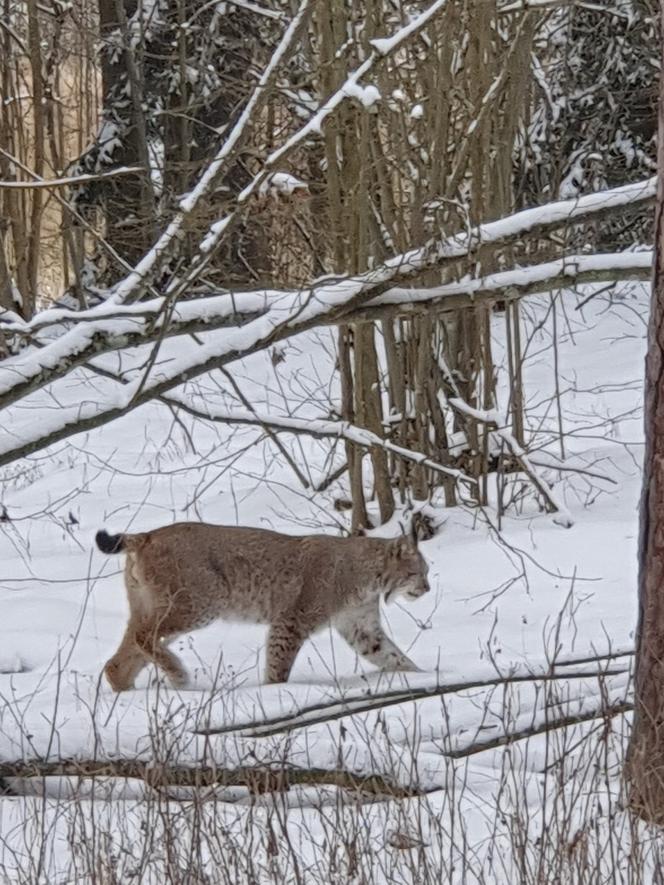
point(406, 570)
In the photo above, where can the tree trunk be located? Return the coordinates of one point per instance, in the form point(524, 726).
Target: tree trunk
point(646, 751)
point(128, 209)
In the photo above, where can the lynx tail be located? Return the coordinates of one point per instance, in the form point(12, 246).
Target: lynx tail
point(109, 543)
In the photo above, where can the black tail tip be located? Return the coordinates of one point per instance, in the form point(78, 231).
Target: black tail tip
point(109, 543)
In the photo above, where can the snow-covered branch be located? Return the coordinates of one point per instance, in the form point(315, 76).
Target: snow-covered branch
point(572, 270)
point(318, 427)
point(69, 181)
point(274, 317)
point(111, 326)
point(492, 420)
point(109, 329)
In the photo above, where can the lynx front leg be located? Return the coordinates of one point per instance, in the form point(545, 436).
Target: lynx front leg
point(283, 643)
point(360, 627)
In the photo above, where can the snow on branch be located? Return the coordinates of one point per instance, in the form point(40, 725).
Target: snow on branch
point(329, 302)
point(539, 5)
point(319, 427)
point(256, 8)
point(109, 328)
point(564, 272)
point(207, 308)
point(539, 218)
point(69, 182)
point(387, 45)
point(492, 420)
point(275, 318)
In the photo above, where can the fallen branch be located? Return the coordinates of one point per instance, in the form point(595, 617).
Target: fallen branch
point(257, 779)
point(326, 711)
point(504, 740)
point(571, 270)
point(110, 327)
point(593, 659)
point(97, 335)
point(32, 370)
point(281, 317)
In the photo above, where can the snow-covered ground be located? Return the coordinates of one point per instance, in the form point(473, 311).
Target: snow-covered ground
point(506, 600)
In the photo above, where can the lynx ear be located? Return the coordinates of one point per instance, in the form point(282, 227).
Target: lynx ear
point(411, 534)
point(400, 547)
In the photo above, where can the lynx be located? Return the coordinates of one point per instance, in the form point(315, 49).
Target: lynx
point(186, 575)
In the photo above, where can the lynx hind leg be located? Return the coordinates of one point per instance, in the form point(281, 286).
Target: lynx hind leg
point(139, 646)
point(360, 627)
point(283, 643)
point(151, 641)
point(142, 641)
point(127, 662)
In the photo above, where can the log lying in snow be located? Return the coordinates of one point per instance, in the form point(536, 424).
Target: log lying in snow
point(258, 779)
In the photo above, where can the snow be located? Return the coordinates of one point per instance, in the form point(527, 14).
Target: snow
point(612, 264)
point(366, 95)
point(282, 183)
point(108, 139)
point(157, 160)
point(508, 597)
point(214, 235)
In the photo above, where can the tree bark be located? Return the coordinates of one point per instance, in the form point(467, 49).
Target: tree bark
point(645, 768)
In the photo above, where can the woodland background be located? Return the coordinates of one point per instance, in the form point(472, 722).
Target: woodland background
point(331, 266)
